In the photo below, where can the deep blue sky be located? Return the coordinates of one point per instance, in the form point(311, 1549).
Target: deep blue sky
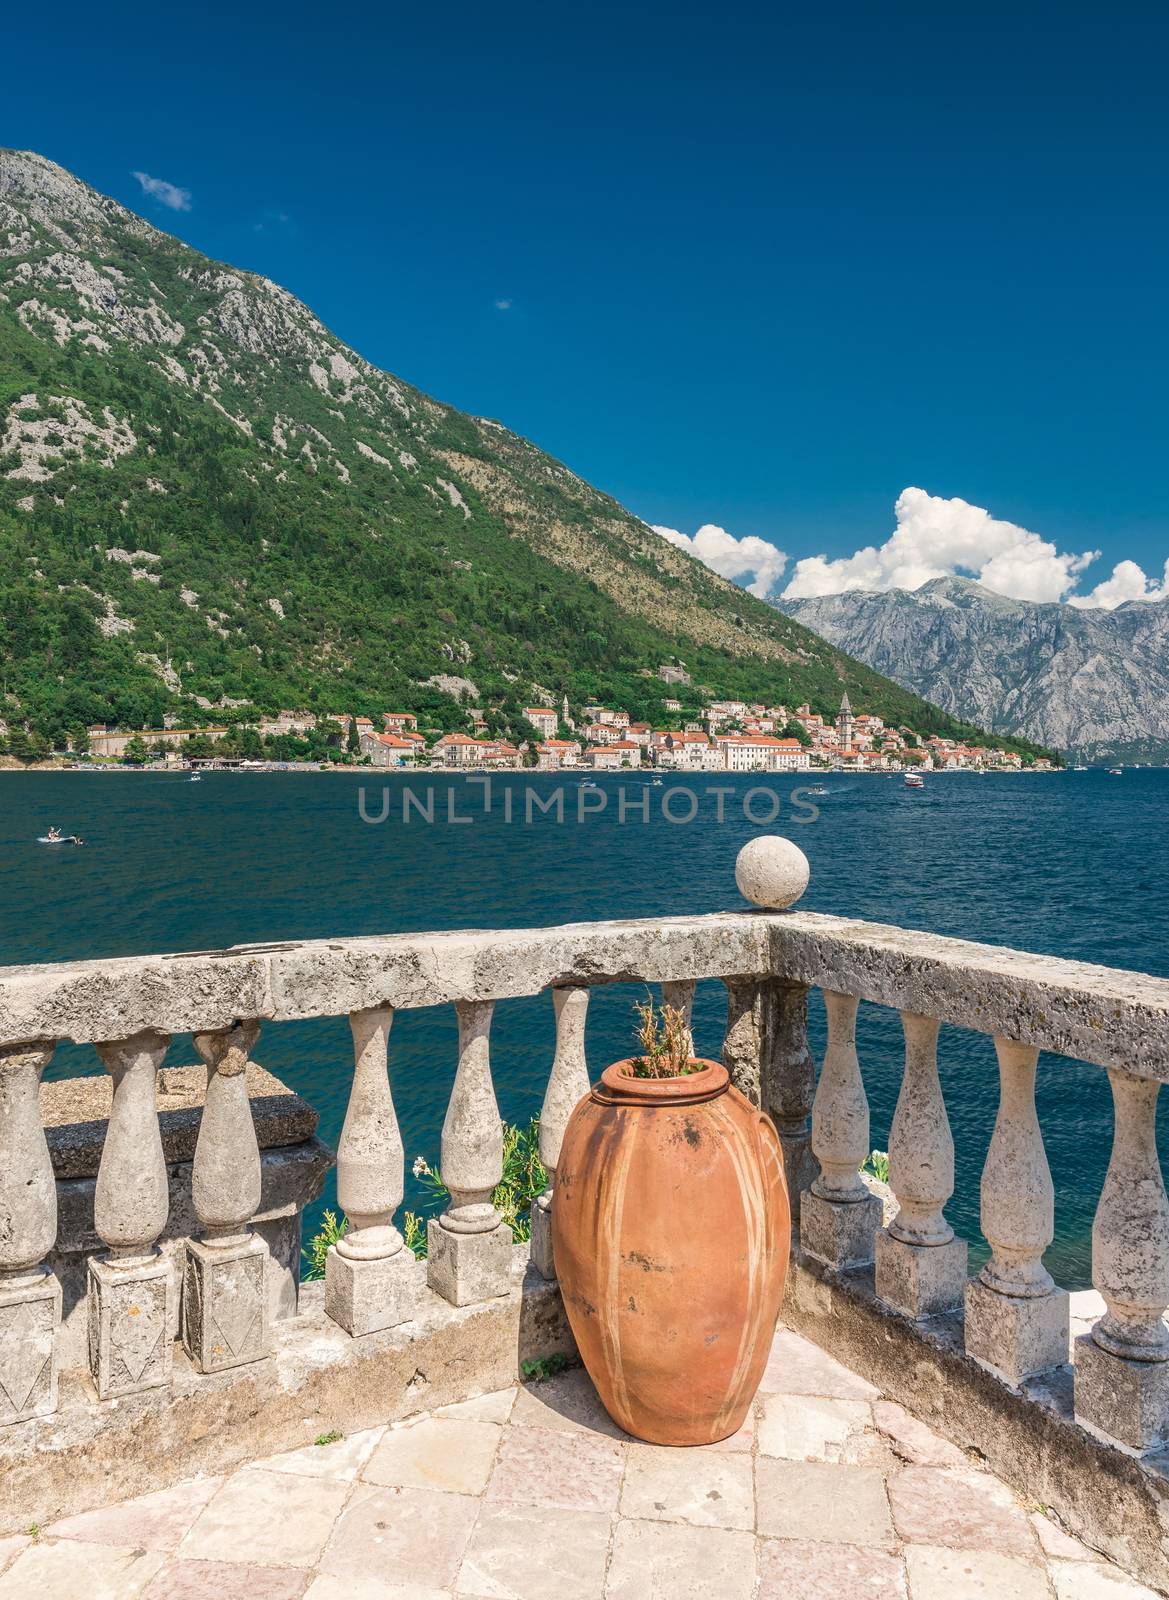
point(766, 265)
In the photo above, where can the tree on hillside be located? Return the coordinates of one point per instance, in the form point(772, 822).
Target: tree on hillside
point(353, 742)
point(796, 730)
point(135, 753)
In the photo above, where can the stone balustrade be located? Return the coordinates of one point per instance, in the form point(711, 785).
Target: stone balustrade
point(1015, 1318)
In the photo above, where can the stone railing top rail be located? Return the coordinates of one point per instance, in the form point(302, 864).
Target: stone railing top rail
point(1100, 1014)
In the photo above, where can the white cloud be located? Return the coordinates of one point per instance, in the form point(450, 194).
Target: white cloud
point(934, 537)
point(1128, 582)
point(732, 558)
point(167, 194)
point(503, 305)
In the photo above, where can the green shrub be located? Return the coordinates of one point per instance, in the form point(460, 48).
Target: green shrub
point(523, 1179)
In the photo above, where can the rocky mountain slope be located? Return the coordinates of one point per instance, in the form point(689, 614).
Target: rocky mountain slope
point(1090, 682)
point(207, 502)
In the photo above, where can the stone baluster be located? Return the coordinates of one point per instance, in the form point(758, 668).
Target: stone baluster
point(839, 1217)
point(129, 1291)
point(920, 1265)
point(370, 1276)
point(788, 1082)
point(1016, 1318)
point(568, 1083)
point(30, 1296)
point(766, 1053)
point(469, 1246)
point(679, 995)
point(225, 1274)
point(745, 1041)
point(1122, 1366)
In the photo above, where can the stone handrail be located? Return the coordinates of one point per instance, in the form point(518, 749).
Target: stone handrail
point(1016, 1318)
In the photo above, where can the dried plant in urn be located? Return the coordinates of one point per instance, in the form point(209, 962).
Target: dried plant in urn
point(667, 1050)
point(671, 1229)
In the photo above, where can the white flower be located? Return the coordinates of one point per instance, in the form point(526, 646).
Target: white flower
point(421, 1170)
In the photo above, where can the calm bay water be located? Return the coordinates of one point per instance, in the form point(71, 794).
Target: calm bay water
point(1076, 865)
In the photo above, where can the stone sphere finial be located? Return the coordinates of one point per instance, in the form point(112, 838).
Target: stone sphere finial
point(772, 872)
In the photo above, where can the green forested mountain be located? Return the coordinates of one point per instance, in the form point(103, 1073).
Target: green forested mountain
point(208, 503)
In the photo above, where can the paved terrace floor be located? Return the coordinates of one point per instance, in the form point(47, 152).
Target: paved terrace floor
point(534, 1494)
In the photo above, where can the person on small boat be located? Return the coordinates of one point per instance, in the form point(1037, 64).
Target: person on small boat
point(54, 833)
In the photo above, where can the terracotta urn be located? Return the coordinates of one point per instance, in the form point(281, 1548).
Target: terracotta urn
point(671, 1230)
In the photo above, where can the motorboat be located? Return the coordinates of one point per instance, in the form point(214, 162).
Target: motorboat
point(914, 780)
point(1115, 772)
point(60, 838)
point(817, 789)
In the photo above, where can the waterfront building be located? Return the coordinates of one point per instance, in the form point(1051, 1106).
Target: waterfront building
point(552, 754)
point(387, 749)
point(543, 719)
point(612, 757)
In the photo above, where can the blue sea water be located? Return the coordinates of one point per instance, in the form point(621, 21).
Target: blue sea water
point(1074, 864)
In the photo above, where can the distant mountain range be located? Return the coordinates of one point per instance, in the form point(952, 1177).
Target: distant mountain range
point(1092, 683)
point(209, 504)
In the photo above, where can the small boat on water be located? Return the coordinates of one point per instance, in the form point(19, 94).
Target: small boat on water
point(1115, 772)
point(60, 838)
point(196, 779)
point(817, 788)
point(914, 780)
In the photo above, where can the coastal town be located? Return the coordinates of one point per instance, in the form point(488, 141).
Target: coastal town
point(722, 736)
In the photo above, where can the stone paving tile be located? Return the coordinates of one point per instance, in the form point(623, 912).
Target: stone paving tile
point(536, 1553)
point(801, 1569)
point(1055, 1542)
point(225, 1580)
point(913, 1439)
point(822, 1501)
point(1082, 1580)
point(941, 1574)
point(742, 1441)
point(268, 1519)
point(69, 1569)
point(446, 1453)
point(565, 1401)
point(666, 1561)
point(401, 1536)
point(343, 1459)
point(542, 1467)
point(494, 1407)
point(11, 1547)
point(708, 1490)
point(326, 1588)
point(966, 1510)
point(149, 1522)
point(802, 1427)
point(796, 1366)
